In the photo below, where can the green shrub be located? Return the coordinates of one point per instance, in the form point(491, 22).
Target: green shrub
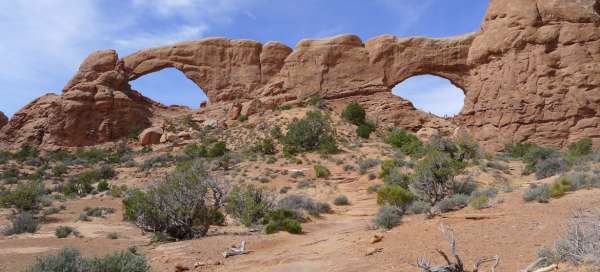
point(580, 148)
point(408, 143)
point(282, 219)
point(248, 204)
point(388, 217)
point(434, 176)
point(387, 166)
point(26, 152)
point(321, 171)
point(479, 202)
point(537, 193)
point(70, 260)
point(311, 133)
point(394, 195)
point(65, 231)
point(26, 197)
point(159, 160)
point(284, 107)
point(354, 113)
point(103, 186)
point(397, 177)
point(195, 151)
point(519, 150)
point(22, 223)
point(181, 206)
point(218, 149)
point(303, 184)
point(243, 118)
point(91, 155)
point(364, 130)
point(265, 146)
point(341, 201)
point(559, 187)
point(364, 164)
point(112, 235)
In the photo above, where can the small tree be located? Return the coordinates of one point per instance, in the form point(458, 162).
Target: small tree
point(182, 206)
point(434, 176)
point(354, 113)
point(313, 132)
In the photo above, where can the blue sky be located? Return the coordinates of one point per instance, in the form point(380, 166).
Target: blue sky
point(44, 41)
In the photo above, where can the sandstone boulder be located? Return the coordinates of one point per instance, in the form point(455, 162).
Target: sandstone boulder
point(151, 136)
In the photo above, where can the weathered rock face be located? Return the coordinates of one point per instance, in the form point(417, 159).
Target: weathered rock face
point(530, 73)
point(3, 119)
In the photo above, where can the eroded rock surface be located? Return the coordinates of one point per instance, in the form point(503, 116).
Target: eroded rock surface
point(531, 73)
point(3, 119)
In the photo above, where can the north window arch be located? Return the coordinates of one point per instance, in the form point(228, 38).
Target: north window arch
point(433, 94)
point(170, 86)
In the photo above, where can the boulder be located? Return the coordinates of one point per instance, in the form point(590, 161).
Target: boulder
point(151, 136)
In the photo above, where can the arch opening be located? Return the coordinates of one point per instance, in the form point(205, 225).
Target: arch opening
point(433, 94)
point(170, 86)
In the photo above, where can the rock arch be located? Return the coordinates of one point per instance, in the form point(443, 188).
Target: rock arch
point(530, 73)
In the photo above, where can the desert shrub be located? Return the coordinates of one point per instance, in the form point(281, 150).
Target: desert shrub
point(265, 146)
point(371, 176)
point(103, 186)
point(11, 175)
point(374, 188)
point(303, 203)
point(91, 155)
point(305, 183)
point(581, 180)
point(282, 220)
point(243, 118)
point(364, 130)
point(59, 170)
point(98, 211)
point(65, 231)
point(560, 187)
point(348, 168)
point(22, 223)
point(539, 193)
point(479, 202)
point(118, 191)
point(388, 217)
point(550, 167)
point(26, 196)
point(519, 150)
point(387, 166)
point(580, 148)
point(284, 107)
point(455, 202)
point(159, 160)
point(284, 189)
point(195, 150)
point(218, 149)
point(364, 164)
point(5, 157)
point(181, 206)
point(112, 235)
point(408, 143)
point(297, 174)
point(70, 260)
point(397, 177)
point(419, 207)
point(341, 201)
point(313, 132)
point(434, 176)
point(466, 186)
point(354, 113)
point(467, 148)
point(248, 204)
point(321, 171)
point(394, 195)
point(26, 152)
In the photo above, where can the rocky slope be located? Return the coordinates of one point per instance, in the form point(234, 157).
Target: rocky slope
point(530, 73)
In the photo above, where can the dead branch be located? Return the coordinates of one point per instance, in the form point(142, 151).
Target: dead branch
point(473, 216)
point(457, 266)
point(234, 251)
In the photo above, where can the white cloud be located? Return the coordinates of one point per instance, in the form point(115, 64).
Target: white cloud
point(147, 39)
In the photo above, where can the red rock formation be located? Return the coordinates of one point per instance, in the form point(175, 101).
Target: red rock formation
point(3, 119)
point(530, 73)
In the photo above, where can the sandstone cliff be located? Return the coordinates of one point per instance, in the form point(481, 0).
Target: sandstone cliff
point(531, 73)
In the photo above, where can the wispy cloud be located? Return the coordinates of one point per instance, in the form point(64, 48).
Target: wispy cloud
point(147, 39)
point(409, 11)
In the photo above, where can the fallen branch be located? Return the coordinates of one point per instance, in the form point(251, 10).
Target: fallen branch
point(234, 251)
